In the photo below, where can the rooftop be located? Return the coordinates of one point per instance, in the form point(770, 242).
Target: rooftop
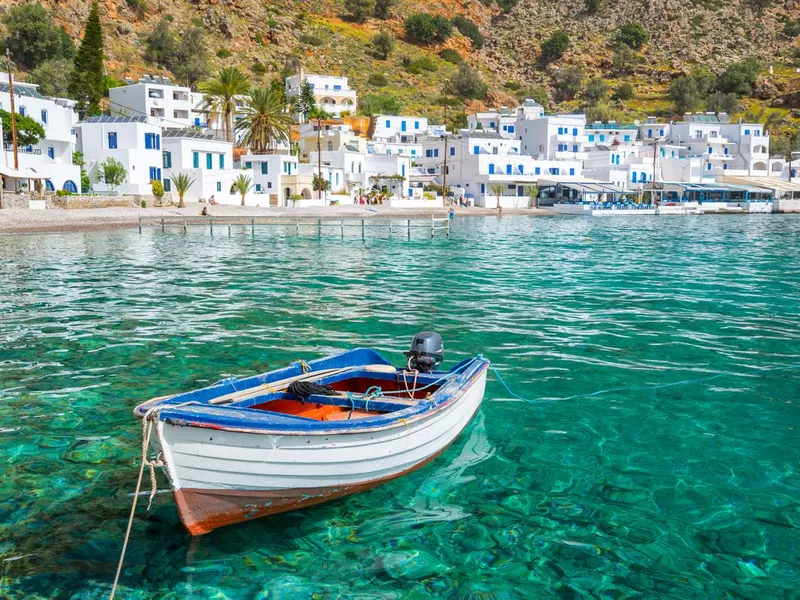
point(106, 119)
point(723, 118)
point(20, 89)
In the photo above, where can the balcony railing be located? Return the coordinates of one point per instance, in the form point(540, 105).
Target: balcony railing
point(22, 149)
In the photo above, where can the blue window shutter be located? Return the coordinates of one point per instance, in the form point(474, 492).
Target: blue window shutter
point(649, 133)
point(209, 161)
point(265, 168)
point(221, 161)
point(44, 116)
point(158, 141)
point(602, 137)
point(709, 149)
point(146, 141)
point(725, 167)
point(510, 129)
point(575, 131)
point(591, 138)
point(633, 176)
point(627, 138)
point(708, 168)
point(51, 153)
point(508, 169)
point(22, 110)
point(388, 125)
point(196, 160)
point(452, 151)
point(483, 188)
point(435, 152)
point(402, 171)
point(491, 168)
point(219, 186)
point(416, 124)
point(522, 169)
point(402, 125)
point(537, 171)
point(476, 150)
point(572, 171)
point(574, 147)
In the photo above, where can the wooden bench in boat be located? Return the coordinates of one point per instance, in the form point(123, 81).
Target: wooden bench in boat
point(331, 408)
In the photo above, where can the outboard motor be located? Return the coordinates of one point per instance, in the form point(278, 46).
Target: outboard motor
point(426, 352)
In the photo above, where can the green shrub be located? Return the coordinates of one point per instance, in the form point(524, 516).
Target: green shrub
point(311, 39)
point(624, 60)
point(507, 5)
point(258, 68)
point(158, 189)
point(382, 8)
point(143, 203)
point(383, 43)
point(450, 56)
point(63, 193)
point(739, 77)
point(377, 80)
point(791, 28)
point(468, 83)
point(422, 64)
point(425, 28)
point(726, 102)
point(138, 6)
point(683, 93)
point(32, 36)
point(555, 46)
point(591, 6)
point(623, 92)
point(469, 29)
point(567, 83)
point(379, 104)
point(596, 91)
point(632, 35)
point(224, 53)
point(360, 9)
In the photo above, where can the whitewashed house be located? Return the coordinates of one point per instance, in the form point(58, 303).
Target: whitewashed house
point(156, 97)
point(332, 92)
point(388, 173)
point(502, 121)
point(268, 172)
point(330, 135)
point(476, 160)
point(133, 141)
point(606, 134)
point(51, 158)
point(628, 166)
point(556, 137)
point(204, 158)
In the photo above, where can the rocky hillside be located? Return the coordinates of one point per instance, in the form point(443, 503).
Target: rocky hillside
point(264, 37)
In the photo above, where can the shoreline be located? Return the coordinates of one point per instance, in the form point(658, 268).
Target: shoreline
point(57, 220)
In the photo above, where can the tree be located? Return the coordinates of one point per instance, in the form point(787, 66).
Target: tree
point(242, 184)
point(383, 42)
point(86, 182)
point(191, 57)
point(683, 93)
point(161, 45)
point(29, 131)
point(266, 121)
point(705, 80)
point(425, 28)
point(533, 195)
point(596, 91)
point(633, 35)
point(624, 60)
point(555, 46)
point(467, 83)
point(623, 92)
point(221, 94)
point(382, 8)
point(469, 29)
point(379, 104)
point(326, 185)
point(87, 80)
point(360, 9)
point(112, 172)
point(591, 6)
point(33, 37)
point(719, 102)
point(306, 102)
point(52, 77)
point(497, 190)
point(739, 77)
point(181, 182)
point(567, 82)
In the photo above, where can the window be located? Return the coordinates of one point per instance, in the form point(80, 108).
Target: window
point(265, 168)
point(708, 167)
point(221, 161)
point(560, 130)
point(725, 151)
point(574, 147)
point(483, 188)
point(69, 186)
point(248, 165)
point(633, 176)
point(51, 153)
point(725, 167)
point(402, 171)
point(402, 125)
point(491, 124)
point(22, 110)
point(591, 137)
point(269, 185)
point(491, 168)
point(452, 151)
point(602, 137)
point(196, 160)
point(521, 169)
point(153, 173)
point(337, 88)
point(388, 126)
point(44, 116)
point(572, 171)
point(510, 129)
point(476, 150)
point(158, 141)
point(258, 187)
point(413, 152)
point(112, 140)
point(661, 132)
point(710, 149)
point(219, 186)
point(150, 141)
point(167, 185)
point(435, 152)
point(508, 169)
point(505, 127)
point(416, 124)
point(575, 131)
point(747, 132)
point(649, 133)
point(537, 171)
point(209, 161)
point(627, 138)
point(554, 171)
point(428, 153)
point(643, 176)
point(166, 159)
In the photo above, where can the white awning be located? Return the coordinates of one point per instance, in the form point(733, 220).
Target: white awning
point(7, 171)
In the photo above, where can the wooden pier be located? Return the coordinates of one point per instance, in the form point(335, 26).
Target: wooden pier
point(305, 225)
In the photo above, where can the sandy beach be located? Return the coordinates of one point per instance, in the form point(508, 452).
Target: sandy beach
point(23, 221)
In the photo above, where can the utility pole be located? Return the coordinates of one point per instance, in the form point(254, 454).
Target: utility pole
point(13, 113)
point(319, 156)
point(655, 156)
point(444, 170)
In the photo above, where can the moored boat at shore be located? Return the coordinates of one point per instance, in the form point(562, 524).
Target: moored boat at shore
point(247, 448)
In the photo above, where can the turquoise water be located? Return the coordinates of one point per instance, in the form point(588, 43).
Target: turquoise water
point(620, 481)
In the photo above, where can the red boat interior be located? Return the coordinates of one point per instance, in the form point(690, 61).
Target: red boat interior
point(392, 391)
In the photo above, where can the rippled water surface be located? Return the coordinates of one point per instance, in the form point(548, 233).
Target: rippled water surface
point(661, 459)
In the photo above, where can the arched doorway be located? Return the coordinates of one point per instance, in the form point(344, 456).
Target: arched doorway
point(48, 186)
point(69, 186)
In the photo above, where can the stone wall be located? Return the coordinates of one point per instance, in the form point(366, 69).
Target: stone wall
point(14, 200)
point(17, 200)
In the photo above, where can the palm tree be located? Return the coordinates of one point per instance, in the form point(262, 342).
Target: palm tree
point(266, 122)
point(533, 194)
point(221, 93)
point(182, 183)
point(497, 190)
point(242, 184)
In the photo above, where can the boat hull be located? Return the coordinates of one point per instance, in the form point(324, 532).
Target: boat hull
point(222, 477)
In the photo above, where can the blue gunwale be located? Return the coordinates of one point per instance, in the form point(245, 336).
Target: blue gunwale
point(239, 417)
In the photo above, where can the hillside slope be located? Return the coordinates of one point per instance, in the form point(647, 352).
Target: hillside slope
point(263, 37)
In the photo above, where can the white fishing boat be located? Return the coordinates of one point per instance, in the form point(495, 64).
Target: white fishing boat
point(310, 432)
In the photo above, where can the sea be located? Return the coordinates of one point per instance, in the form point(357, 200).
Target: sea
point(644, 441)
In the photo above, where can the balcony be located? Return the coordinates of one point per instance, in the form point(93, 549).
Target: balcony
point(23, 149)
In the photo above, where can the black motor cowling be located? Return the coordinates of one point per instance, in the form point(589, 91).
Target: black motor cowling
point(426, 352)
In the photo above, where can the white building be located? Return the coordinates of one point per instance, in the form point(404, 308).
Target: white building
point(501, 121)
point(51, 158)
point(555, 137)
point(330, 135)
point(133, 141)
point(625, 165)
point(269, 173)
point(605, 134)
point(478, 160)
point(332, 93)
point(385, 172)
point(173, 105)
point(391, 128)
point(205, 159)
